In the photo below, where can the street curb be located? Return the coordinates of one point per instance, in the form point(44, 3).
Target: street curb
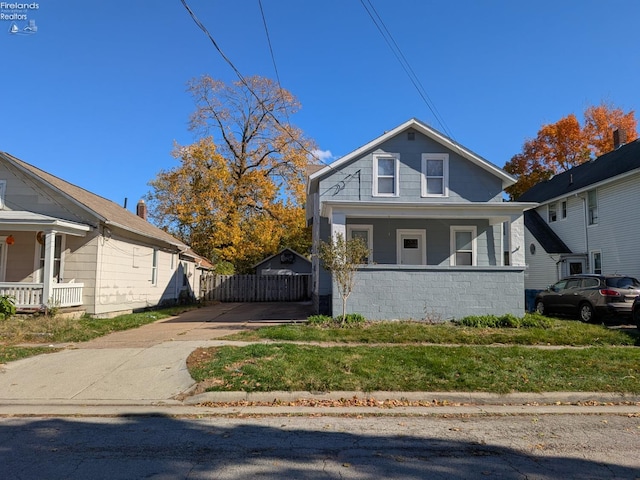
point(440, 398)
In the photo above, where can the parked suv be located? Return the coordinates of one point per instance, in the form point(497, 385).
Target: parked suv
point(590, 296)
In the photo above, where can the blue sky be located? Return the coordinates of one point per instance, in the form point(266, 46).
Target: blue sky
point(97, 96)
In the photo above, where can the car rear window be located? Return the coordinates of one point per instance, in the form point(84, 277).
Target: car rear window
point(623, 282)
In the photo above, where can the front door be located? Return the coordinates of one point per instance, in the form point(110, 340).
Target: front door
point(411, 247)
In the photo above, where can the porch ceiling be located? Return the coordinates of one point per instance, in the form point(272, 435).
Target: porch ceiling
point(24, 221)
point(496, 212)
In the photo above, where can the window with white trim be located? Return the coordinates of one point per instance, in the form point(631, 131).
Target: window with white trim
point(58, 249)
point(386, 175)
point(463, 246)
point(553, 212)
point(154, 267)
point(596, 261)
point(435, 175)
point(592, 204)
point(365, 232)
point(563, 210)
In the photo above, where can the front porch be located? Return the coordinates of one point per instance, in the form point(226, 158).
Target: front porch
point(30, 296)
point(32, 260)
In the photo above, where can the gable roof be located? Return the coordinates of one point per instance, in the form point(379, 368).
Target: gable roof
point(280, 253)
point(621, 161)
point(428, 131)
point(543, 233)
point(105, 210)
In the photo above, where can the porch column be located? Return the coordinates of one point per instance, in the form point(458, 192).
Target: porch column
point(338, 225)
point(516, 240)
point(47, 271)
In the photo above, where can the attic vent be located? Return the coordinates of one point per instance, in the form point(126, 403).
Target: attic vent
point(411, 135)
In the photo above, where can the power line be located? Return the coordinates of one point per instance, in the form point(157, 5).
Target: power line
point(273, 58)
point(245, 83)
point(406, 66)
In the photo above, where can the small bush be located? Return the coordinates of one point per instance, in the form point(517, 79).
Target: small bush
point(350, 320)
point(506, 321)
point(7, 307)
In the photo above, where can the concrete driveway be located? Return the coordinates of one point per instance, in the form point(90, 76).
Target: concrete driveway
point(146, 363)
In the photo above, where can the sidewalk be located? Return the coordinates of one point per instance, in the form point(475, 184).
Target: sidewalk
point(143, 371)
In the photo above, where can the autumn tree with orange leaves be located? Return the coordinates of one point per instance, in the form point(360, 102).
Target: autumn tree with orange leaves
point(565, 144)
point(237, 194)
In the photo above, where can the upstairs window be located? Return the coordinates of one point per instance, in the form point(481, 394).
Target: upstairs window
point(435, 175)
point(553, 212)
point(592, 205)
point(563, 210)
point(385, 175)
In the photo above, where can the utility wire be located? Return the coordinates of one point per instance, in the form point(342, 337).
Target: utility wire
point(406, 66)
point(273, 58)
point(244, 82)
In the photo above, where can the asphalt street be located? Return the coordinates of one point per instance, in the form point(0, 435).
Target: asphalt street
point(322, 447)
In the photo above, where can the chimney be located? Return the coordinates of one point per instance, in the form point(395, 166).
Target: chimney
point(141, 210)
point(619, 138)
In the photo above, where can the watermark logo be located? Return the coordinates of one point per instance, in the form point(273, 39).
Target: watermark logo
point(20, 17)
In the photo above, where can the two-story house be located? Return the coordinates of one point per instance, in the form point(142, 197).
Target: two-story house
point(586, 221)
point(433, 216)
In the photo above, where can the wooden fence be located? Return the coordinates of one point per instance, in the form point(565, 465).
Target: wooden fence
point(256, 288)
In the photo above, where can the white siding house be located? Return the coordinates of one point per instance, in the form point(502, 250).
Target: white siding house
point(62, 246)
point(586, 221)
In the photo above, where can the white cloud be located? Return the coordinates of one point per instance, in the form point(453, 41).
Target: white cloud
point(325, 156)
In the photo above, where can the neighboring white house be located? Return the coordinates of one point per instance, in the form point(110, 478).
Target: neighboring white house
point(433, 215)
point(586, 221)
point(62, 246)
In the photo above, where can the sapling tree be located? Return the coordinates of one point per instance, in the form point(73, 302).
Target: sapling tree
point(342, 258)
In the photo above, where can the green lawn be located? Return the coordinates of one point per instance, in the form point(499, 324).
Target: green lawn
point(41, 329)
point(291, 367)
point(412, 356)
point(561, 332)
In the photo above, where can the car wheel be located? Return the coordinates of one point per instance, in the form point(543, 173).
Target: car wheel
point(540, 307)
point(586, 313)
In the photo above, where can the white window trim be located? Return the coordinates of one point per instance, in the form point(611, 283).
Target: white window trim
point(369, 229)
point(555, 212)
point(592, 262)
point(396, 183)
point(411, 231)
point(154, 266)
point(474, 243)
point(597, 217)
point(445, 173)
point(38, 270)
point(564, 209)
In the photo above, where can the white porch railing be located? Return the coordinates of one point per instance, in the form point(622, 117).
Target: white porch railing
point(29, 295)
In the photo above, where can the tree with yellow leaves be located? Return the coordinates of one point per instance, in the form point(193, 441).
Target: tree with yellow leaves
point(238, 193)
point(565, 144)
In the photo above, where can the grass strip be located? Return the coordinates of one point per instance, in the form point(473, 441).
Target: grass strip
point(290, 367)
point(12, 353)
point(562, 332)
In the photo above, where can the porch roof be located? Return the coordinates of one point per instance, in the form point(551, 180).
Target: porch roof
point(495, 211)
point(24, 221)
